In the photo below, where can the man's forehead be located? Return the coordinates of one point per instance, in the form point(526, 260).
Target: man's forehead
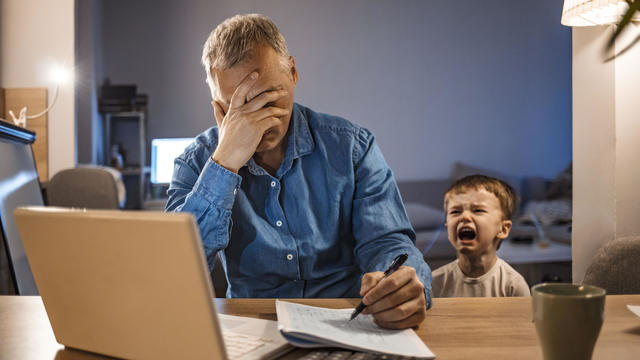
point(226, 81)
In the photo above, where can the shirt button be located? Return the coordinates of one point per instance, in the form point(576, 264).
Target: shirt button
point(273, 184)
point(289, 257)
point(278, 223)
point(235, 191)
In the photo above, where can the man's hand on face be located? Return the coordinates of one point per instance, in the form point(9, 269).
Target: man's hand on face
point(242, 126)
point(396, 302)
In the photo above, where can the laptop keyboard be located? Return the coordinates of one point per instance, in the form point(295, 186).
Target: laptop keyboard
point(347, 355)
point(240, 344)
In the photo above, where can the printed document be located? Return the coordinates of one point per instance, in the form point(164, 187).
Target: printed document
point(310, 326)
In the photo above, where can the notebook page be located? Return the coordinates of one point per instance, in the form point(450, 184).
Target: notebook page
point(332, 327)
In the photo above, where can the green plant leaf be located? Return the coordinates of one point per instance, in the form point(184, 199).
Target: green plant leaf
point(634, 5)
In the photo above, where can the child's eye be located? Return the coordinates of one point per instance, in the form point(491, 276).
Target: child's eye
point(479, 210)
point(454, 212)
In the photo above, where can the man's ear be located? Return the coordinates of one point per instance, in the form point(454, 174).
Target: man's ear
point(505, 228)
point(294, 70)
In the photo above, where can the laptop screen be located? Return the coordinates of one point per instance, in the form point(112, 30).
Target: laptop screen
point(163, 153)
point(19, 186)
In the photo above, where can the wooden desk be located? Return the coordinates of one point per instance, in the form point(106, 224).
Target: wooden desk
point(463, 328)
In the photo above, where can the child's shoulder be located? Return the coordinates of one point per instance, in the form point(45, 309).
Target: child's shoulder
point(505, 267)
point(446, 269)
point(514, 281)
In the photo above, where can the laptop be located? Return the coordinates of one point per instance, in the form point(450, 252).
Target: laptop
point(134, 284)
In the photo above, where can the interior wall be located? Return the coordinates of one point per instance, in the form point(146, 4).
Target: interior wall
point(35, 35)
point(594, 147)
point(627, 88)
point(487, 83)
point(606, 141)
point(89, 64)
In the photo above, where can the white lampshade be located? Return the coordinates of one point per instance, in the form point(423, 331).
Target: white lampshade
point(594, 12)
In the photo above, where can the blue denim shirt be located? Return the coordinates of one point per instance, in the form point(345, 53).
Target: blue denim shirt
point(331, 212)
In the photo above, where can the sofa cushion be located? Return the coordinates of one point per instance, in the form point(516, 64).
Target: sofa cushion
point(424, 217)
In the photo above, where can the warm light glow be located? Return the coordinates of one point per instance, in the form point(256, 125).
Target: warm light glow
point(594, 12)
point(60, 75)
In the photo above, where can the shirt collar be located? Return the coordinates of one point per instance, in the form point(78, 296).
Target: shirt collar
point(300, 143)
point(301, 138)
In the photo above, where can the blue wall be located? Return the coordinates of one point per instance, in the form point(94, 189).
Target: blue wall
point(485, 82)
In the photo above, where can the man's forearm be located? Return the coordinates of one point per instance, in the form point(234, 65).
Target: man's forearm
point(209, 196)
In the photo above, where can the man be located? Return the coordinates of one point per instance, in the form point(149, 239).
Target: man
point(296, 203)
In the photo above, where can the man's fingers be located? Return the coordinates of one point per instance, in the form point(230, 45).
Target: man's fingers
point(397, 301)
point(409, 291)
point(239, 96)
point(267, 123)
point(413, 320)
point(370, 280)
point(271, 111)
point(390, 284)
point(263, 99)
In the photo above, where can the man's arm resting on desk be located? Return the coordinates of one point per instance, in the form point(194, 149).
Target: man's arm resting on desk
point(383, 231)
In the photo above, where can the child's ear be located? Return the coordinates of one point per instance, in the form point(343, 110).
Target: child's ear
point(505, 228)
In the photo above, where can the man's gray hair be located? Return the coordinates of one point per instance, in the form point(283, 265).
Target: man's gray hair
point(233, 41)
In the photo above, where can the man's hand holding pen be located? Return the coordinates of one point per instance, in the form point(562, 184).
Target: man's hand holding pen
point(398, 302)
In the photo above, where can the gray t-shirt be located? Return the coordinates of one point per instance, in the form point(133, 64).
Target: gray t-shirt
point(502, 280)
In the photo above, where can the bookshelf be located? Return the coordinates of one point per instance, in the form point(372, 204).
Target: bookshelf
point(125, 137)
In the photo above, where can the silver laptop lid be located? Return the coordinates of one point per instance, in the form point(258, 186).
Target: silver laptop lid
point(123, 283)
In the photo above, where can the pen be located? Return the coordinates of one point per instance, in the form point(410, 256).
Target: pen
point(395, 265)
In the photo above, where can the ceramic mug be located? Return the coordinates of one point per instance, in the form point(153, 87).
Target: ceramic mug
point(568, 318)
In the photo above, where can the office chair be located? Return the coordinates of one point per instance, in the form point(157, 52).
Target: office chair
point(615, 267)
point(91, 187)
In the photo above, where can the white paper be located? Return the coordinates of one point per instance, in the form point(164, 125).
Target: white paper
point(331, 327)
point(634, 309)
point(265, 330)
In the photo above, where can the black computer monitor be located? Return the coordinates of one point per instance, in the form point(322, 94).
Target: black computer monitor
point(19, 186)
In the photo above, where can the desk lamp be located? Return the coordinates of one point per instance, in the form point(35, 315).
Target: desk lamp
point(602, 12)
point(59, 76)
point(595, 12)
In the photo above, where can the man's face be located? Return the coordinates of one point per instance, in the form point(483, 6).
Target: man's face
point(272, 75)
point(475, 223)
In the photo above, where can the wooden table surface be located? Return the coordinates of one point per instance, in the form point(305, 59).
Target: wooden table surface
point(460, 328)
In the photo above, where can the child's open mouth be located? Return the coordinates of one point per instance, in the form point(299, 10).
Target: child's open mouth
point(466, 234)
